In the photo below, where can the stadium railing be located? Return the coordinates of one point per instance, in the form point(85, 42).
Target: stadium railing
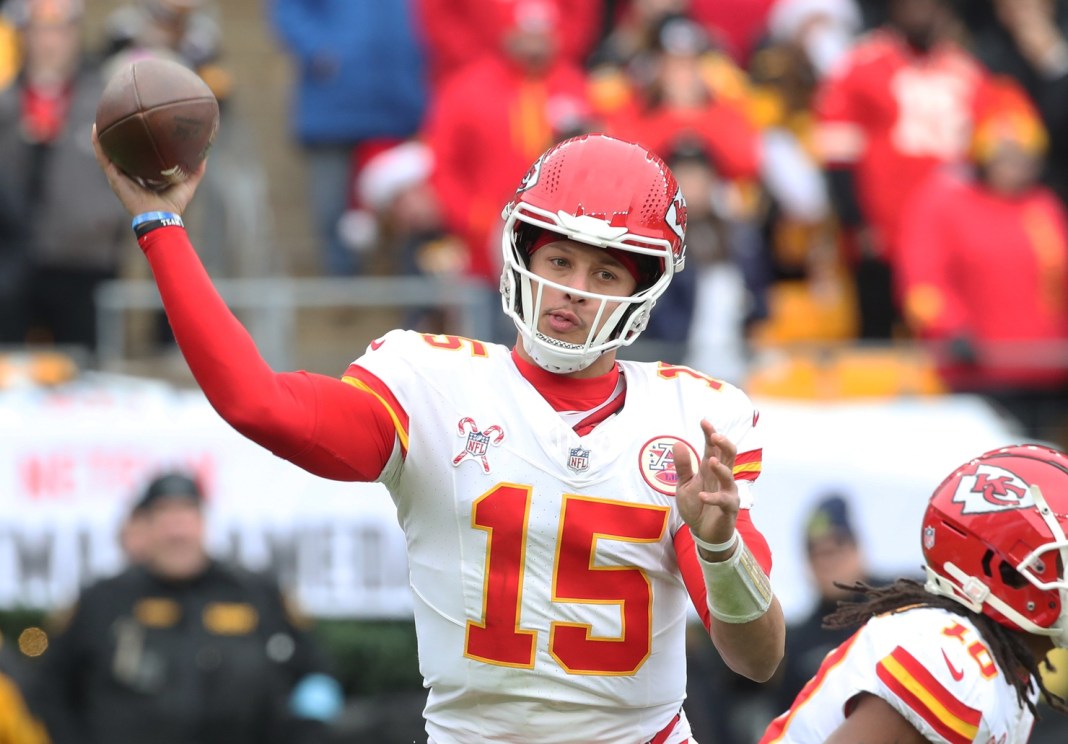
point(269, 307)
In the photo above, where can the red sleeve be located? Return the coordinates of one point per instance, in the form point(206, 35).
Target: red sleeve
point(692, 576)
point(926, 271)
point(320, 423)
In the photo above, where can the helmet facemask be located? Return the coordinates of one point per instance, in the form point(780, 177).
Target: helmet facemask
point(1050, 558)
point(522, 291)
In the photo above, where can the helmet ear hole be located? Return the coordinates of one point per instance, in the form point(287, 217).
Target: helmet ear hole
point(1010, 576)
point(988, 558)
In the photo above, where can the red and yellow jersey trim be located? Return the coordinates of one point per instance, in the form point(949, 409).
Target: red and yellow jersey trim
point(363, 380)
point(747, 465)
point(907, 678)
point(830, 662)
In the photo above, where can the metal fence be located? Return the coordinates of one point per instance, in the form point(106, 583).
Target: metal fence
point(269, 307)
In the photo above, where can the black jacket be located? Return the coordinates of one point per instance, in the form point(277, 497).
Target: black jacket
point(207, 661)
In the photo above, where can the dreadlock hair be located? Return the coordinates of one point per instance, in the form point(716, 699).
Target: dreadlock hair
point(1006, 646)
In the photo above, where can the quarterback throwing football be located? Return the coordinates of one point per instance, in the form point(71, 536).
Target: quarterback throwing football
point(561, 508)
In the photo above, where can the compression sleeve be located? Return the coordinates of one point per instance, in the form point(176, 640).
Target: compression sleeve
point(319, 423)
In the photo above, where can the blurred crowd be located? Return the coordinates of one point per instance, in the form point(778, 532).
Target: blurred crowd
point(857, 171)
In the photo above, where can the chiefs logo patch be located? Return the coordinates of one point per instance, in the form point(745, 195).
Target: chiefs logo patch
point(657, 464)
point(676, 215)
point(992, 489)
point(530, 180)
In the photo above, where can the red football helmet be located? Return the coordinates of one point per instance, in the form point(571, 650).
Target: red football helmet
point(605, 192)
point(994, 539)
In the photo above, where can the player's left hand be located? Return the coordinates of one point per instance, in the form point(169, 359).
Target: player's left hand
point(708, 496)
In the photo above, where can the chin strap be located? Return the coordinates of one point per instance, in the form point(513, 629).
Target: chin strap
point(545, 357)
point(968, 590)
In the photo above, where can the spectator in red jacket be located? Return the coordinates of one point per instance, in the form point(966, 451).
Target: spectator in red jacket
point(492, 120)
point(896, 107)
point(458, 32)
point(984, 267)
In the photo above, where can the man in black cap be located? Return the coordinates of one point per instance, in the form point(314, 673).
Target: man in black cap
point(835, 559)
point(182, 649)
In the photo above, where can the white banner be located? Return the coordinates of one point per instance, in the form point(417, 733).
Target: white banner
point(72, 460)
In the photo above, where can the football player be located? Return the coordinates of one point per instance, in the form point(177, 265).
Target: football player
point(558, 515)
point(956, 659)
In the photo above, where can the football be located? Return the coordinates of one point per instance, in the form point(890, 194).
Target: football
point(156, 121)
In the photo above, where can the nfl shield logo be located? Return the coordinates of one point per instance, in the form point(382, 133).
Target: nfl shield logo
point(578, 459)
point(477, 444)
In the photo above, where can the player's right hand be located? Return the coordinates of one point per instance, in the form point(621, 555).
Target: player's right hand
point(139, 199)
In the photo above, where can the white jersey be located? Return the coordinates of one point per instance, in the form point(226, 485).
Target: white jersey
point(548, 597)
point(930, 665)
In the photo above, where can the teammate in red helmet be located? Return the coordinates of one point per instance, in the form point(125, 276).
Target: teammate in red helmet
point(956, 659)
point(558, 516)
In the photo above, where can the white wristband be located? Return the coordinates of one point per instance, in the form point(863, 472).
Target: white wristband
point(716, 547)
point(738, 590)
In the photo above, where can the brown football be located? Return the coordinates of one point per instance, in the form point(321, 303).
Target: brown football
point(156, 121)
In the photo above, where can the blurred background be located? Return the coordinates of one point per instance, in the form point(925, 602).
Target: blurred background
point(877, 253)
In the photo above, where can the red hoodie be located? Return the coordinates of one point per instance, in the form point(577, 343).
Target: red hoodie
point(992, 268)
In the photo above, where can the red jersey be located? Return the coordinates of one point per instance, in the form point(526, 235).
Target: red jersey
point(993, 268)
point(894, 115)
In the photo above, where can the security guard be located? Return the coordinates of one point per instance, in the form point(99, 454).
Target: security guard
point(182, 649)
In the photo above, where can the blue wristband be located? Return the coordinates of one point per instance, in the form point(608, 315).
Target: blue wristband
point(146, 222)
